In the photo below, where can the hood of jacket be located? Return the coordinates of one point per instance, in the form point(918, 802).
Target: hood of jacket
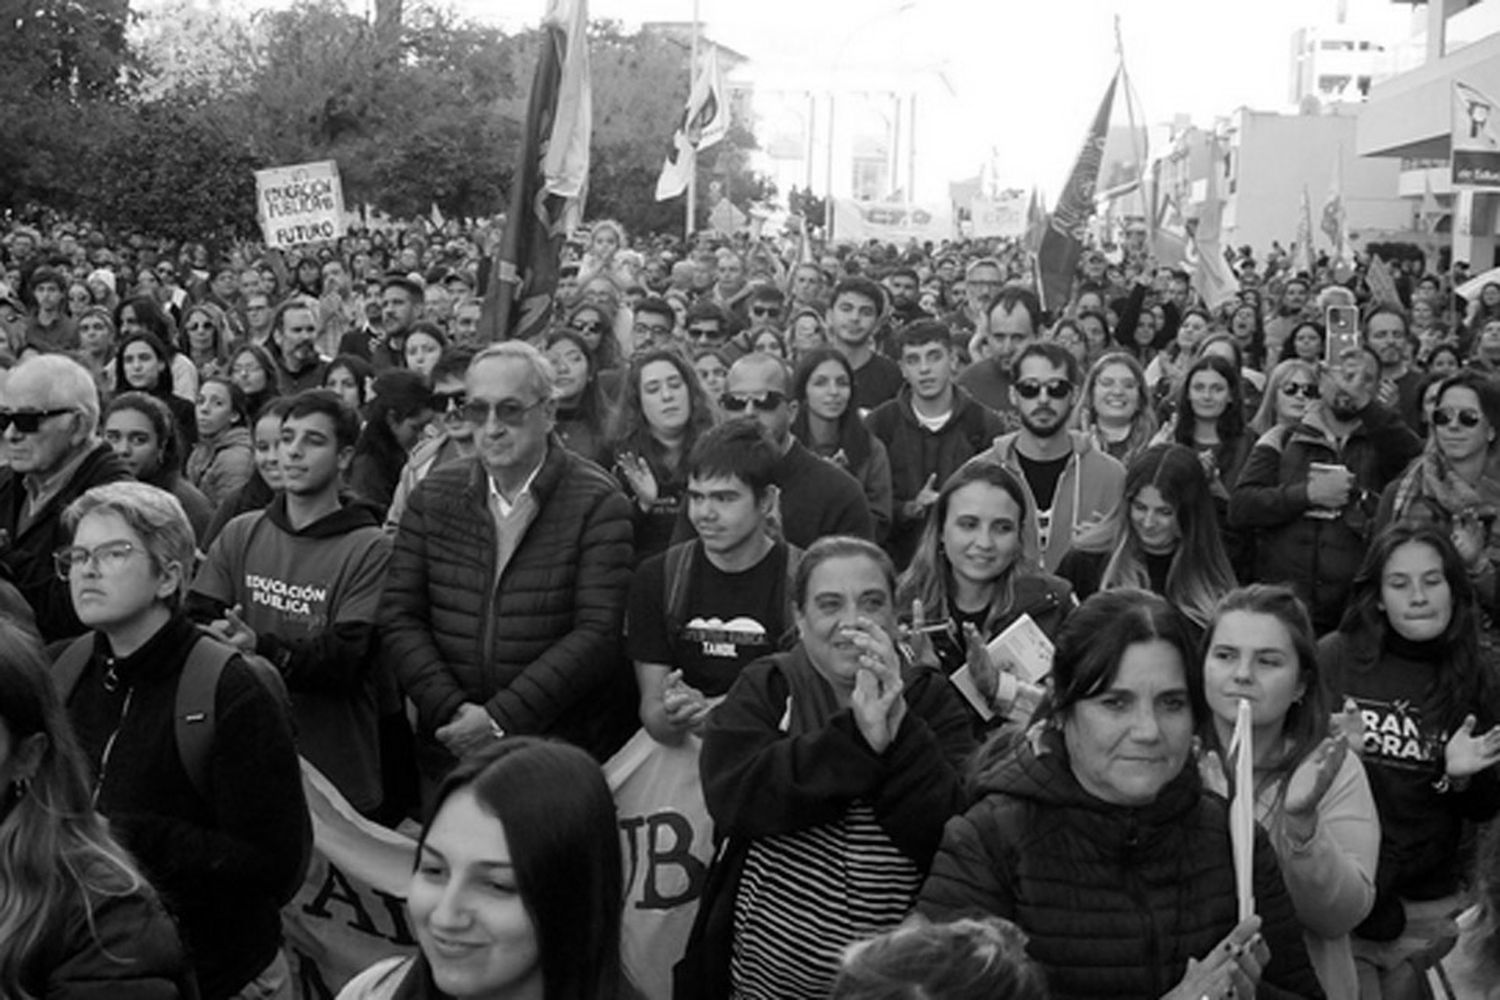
point(354, 512)
point(1005, 445)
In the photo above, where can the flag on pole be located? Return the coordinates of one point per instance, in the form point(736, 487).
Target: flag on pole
point(1382, 284)
point(1062, 242)
point(1036, 222)
point(1476, 140)
point(1211, 277)
point(1305, 233)
point(1432, 211)
point(1335, 222)
point(705, 121)
point(550, 182)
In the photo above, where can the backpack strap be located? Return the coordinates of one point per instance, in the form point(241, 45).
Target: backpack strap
point(193, 719)
point(676, 585)
point(71, 664)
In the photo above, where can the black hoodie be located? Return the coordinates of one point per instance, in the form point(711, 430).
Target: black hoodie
point(311, 596)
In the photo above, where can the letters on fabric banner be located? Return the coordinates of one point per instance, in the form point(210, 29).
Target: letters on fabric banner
point(351, 910)
point(893, 222)
point(300, 204)
point(668, 841)
point(1004, 216)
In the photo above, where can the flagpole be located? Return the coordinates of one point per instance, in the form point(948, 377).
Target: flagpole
point(1147, 205)
point(692, 185)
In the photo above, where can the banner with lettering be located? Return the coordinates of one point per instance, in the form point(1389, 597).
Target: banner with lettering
point(890, 222)
point(351, 910)
point(1003, 217)
point(300, 204)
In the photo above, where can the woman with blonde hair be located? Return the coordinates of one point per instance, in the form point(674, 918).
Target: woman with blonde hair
point(1292, 386)
point(76, 916)
point(1115, 409)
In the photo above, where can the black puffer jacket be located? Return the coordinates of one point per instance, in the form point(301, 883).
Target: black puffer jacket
point(26, 553)
point(1114, 900)
point(539, 647)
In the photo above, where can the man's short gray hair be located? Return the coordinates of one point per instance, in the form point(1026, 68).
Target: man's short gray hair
point(65, 383)
point(541, 377)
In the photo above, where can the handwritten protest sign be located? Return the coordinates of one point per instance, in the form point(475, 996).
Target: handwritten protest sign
point(300, 204)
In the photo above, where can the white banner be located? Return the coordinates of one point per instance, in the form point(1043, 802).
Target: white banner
point(1003, 217)
point(300, 204)
point(891, 222)
point(1476, 139)
point(351, 910)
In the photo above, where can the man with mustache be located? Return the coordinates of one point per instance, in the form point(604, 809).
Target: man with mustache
point(294, 345)
point(1071, 486)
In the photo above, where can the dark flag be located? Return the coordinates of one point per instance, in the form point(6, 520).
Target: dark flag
point(1062, 243)
point(550, 181)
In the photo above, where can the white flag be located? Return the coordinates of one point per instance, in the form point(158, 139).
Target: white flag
point(1476, 139)
point(1242, 810)
point(705, 121)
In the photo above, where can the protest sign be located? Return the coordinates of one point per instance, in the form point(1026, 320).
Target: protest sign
point(1003, 217)
point(1476, 140)
point(893, 222)
point(300, 204)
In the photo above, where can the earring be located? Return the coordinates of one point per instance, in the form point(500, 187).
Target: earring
point(21, 786)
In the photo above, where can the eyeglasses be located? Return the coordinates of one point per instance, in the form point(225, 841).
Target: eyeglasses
point(447, 402)
point(765, 311)
point(702, 332)
point(1058, 388)
point(510, 412)
point(107, 558)
point(765, 402)
point(28, 421)
point(1304, 389)
point(200, 326)
point(1468, 419)
point(652, 330)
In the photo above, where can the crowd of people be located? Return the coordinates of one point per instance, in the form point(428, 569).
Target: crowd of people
point(774, 501)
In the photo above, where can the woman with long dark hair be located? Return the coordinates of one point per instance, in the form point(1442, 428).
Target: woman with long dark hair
point(141, 430)
point(397, 415)
point(145, 314)
point(144, 364)
point(518, 885)
point(1168, 542)
point(830, 428)
point(1311, 793)
point(581, 411)
point(77, 918)
point(1407, 654)
point(254, 370)
point(663, 410)
point(223, 460)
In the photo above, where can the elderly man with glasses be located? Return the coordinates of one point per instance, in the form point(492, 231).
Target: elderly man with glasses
point(506, 593)
point(49, 418)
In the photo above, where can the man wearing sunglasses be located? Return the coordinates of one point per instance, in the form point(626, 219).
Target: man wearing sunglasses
point(817, 497)
point(506, 594)
point(1311, 490)
point(455, 443)
point(49, 415)
point(1071, 485)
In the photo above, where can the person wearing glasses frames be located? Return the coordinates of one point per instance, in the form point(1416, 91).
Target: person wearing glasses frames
point(49, 418)
point(1072, 485)
point(1310, 491)
point(455, 440)
point(1449, 485)
point(506, 593)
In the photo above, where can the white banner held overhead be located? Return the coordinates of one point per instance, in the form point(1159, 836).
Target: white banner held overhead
point(1004, 216)
point(300, 204)
point(891, 222)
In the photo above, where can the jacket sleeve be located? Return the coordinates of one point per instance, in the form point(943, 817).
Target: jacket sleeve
point(1331, 879)
point(260, 814)
point(1395, 443)
point(127, 950)
point(1260, 499)
point(406, 623)
point(922, 780)
point(971, 874)
point(759, 781)
point(1289, 974)
point(877, 484)
point(580, 662)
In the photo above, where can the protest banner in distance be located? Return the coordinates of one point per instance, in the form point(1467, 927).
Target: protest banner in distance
point(1004, 216)
point(1476, 139)
point(300, 204)
point(891, 222)
point(351, 910)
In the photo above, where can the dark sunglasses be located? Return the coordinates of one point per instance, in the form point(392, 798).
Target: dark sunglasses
point(702, 333)
point(1056, 389)
point(446, 402)
point(764, 311)
point(510, 412)
point(599, 328)
point(765, 402)
point(28, 421)
point(1304, 389)
point(1466, 418)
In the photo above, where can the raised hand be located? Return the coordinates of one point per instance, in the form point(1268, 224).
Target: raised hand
point(1309, 783)
point(1466, 755)
point(638, 474)
point(1231, 971)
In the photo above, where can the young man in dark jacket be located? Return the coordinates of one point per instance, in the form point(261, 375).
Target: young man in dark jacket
point(930, 429)
point(506, 593)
